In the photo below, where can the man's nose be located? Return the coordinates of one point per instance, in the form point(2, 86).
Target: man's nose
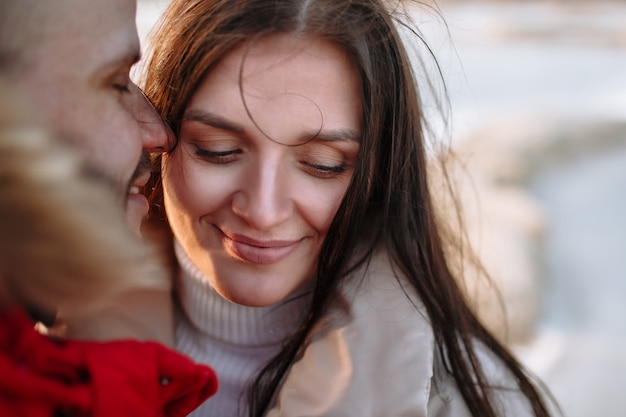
point(156, 135)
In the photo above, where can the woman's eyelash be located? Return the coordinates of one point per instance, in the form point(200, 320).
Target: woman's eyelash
point(336, 169)
point(325, 171)
point(223, 157)
point(216, 154)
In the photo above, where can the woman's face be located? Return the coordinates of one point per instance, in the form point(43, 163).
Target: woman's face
point(262, 165)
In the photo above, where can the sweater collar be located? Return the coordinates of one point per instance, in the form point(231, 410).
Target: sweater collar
point(233, 323)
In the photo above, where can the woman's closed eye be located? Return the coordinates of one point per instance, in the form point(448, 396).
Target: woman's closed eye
point(325, 162)
point(218, 156)
point(324, 169)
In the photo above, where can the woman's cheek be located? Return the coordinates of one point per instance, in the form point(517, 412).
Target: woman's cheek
point(183, 184)
point(325, 203)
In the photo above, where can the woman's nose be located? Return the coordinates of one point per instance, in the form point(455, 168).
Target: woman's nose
point(264, 199)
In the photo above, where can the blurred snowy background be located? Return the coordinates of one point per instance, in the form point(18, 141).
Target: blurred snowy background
point(538, 110)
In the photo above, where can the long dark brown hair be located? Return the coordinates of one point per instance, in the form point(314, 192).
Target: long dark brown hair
point(389, 189)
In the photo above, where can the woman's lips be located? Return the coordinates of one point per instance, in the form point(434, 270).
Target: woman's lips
point(258, 252)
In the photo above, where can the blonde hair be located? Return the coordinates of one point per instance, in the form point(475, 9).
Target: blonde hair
point(64, 241)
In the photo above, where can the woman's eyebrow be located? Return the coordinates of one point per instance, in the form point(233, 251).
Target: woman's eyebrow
point(221, 122)
point(334, 135)
point(213, 120)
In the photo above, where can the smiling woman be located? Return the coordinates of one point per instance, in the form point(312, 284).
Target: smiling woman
point(313, 274)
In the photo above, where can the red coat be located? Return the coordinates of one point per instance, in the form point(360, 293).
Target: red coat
point(43, 377)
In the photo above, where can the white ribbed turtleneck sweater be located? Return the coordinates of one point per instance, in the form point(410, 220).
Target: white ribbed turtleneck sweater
point(235, 340)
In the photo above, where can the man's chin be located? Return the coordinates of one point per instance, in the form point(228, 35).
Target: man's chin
point(136, 210)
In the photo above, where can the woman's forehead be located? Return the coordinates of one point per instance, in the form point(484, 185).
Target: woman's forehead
point(286, 86)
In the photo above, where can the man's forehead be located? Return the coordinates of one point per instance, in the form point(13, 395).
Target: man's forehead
point(102, 31)
point(93, 18)
point(82, 34)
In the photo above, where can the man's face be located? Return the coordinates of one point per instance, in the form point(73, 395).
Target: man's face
point(77, 76)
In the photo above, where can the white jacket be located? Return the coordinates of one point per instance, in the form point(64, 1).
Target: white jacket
point(376, 357)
